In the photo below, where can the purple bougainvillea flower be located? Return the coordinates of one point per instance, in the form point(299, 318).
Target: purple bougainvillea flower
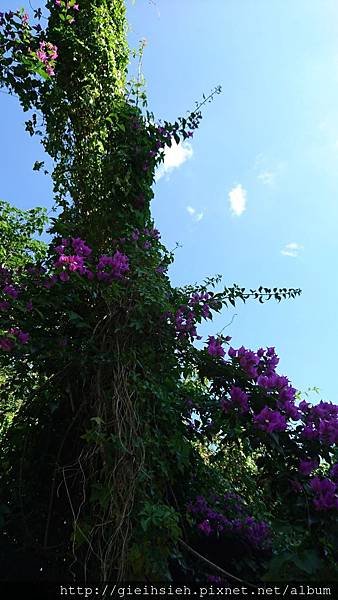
point(23, 337)
point(270, 420)
point(291, 411)
point(64, 276)
point(287, 394)
point(205, 527)
point(6, 344)
point(50, 282)
point(206, 314)
point(334, 472)
point(81, 247)
point(326, 493)
point(324, 410)
point(307, 466)
point(328, 431)
point(310, 432)
point(12, 291)
point(112, 267)
point(248, 361)
point(215, 347)
point(240, 398)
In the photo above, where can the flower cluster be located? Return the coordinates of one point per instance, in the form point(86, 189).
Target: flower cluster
point(238, 398)
point(325, 493)
point(260, 369)
point(25, 43)
point(306, 466)
point(320, 422)
point(73, 254)
point(112, 267)
point(230, 517)
point(78, 251)
point(144, 237)
point(47, 54)
point(8, 290)
point(11, 291)
point(198, 307)
point(247, 359)
point(255, 364)
point(185, 323)
point(265, 399)
point(13, 336)
point(270, 420)
point(215, 347)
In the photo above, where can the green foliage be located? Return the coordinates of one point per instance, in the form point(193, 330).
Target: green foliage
point(18, 247)
point(96, 401)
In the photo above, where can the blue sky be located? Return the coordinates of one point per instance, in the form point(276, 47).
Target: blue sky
point(254, 196)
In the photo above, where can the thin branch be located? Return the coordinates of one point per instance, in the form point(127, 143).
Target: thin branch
point(230, 323)
point(211, 564)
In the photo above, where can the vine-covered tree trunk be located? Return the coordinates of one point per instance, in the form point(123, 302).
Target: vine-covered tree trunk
point(92, 440)
point(115, 423)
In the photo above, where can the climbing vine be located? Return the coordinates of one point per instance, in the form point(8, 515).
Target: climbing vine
point(125, 448)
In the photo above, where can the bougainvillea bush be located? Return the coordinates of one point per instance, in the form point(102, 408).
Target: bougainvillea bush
point(128, 450)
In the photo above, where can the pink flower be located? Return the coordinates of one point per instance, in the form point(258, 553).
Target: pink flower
point(41, 54)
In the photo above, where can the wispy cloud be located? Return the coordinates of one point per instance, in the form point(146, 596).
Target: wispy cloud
point(174, 157)
point(197, 216)
point(267, 177)
point(292, 249)
point(268, 170)
point(237, 200)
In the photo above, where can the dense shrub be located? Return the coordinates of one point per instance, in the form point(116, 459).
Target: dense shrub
point(126, 449)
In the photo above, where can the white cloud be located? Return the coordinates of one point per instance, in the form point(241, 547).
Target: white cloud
point(174, 157)
point(292, 249)
point(267, 177)
point(197, 216)
point(237, 200)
